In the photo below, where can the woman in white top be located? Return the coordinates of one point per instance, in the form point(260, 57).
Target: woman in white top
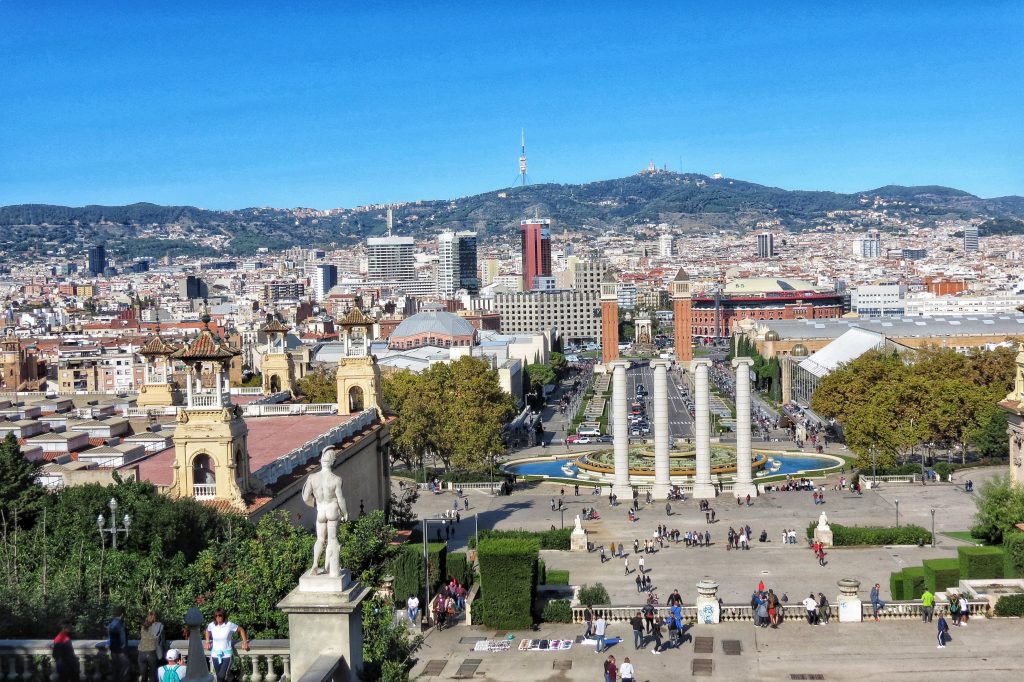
point(219, 640)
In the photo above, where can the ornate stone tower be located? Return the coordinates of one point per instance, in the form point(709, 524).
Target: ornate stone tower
point(211, 456)
point(358, 375)
point(277, 366)
point(609, 318)
point(158, 388)
point(1014, 405)
point(683, 313)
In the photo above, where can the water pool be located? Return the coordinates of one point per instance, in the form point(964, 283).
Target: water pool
point(791, 464)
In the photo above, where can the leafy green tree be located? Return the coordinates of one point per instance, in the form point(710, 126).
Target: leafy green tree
point(991, 439)
point(557, 362)
point(1000, 507)
point(20, 495)
point(386, 643)
point(319, 386)
point(366, 546)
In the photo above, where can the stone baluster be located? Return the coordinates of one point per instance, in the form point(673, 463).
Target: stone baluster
point(286, 668)
point(703, 488)
point(28, 668)
point(272, 675)
point(257, 673)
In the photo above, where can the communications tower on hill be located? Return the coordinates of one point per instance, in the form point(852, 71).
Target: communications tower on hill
point(522, 158)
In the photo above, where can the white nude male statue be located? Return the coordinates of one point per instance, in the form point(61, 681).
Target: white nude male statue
point(323, 488)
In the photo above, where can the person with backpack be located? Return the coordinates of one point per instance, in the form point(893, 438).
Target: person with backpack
point(173, 670)
point(151, 647)
point(220, 641)
point(954, 609)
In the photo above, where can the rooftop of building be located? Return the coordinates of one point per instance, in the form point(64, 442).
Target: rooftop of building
point(433, 322)
point(906, 327)
point(766, 285)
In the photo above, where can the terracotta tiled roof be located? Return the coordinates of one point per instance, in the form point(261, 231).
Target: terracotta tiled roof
point(156, 346)
point(205, 347)
point(356, 317)
point(275, 326)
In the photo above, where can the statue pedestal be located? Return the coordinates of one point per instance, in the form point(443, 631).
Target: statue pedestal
point(850, 607)
point(823, 535)
point(324, 622)
point(708, 610)
point(704, 491)
point(578, 541)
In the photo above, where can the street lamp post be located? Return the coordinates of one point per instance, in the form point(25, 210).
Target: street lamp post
point(101, 522)
point(874, 475)
point(933, 528)
point(562, 510)
point(897, 513)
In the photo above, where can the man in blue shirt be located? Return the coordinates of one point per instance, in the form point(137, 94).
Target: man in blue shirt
point(117, 645)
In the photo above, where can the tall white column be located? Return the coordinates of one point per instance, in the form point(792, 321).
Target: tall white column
point(703, 488)
point(744, 484)
point(662, 434)
point(620, 430)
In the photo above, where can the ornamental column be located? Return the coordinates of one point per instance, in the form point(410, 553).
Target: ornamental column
point(703, 488)
point(662, 434)
point(620, 429)
point(744, 484)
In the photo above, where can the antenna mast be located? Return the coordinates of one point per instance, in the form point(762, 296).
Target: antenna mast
point(522, 158)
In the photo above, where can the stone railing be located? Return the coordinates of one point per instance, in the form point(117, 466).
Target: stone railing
point(474, 486)
point(204, 491)
point(142, 412)
point(30, 660)
point(277, 410)
point(894, 610)
point(894, 478)
point(207, 400)
point(246, 390)
point(273, 398)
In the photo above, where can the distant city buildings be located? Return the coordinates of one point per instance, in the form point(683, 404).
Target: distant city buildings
point(765, 245)
point(457, 265)
point(97, 259)
point(886, 299)
point(536, 250)
point(323, 279)
point(870, 246)
point(971, 238)
point(665, 246)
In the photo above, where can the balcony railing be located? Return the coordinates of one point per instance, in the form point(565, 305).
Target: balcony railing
point(204, 491)
point(206, 400)
point(30, 660)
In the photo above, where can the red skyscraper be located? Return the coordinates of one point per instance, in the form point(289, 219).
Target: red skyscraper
point(536, 236)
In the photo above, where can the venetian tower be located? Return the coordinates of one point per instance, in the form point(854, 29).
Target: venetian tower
point(358, 374)
point(682, 312)
point(277, 365)
point(158, 388)
point(1014, 405)
point(609, 318)
point(211, 455)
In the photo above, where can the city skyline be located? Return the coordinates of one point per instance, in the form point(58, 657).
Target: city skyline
point(255, 106)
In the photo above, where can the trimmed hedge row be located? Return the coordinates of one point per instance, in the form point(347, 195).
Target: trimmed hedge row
point(1010, 605)
point(557, 611)
point(559, 538)
point(981, 562)
point(846, 536)
point(457, 566)
point(407, 568)
point(941, 573)
point(508, 577)
point(913, 582)
point(1013, 546)
point(897, 585)
point(557, 577)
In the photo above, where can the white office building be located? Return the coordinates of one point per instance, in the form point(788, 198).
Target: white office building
point(390, 259)
point(886, 299)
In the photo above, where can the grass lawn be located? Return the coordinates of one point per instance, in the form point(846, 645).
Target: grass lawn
point(966, 536)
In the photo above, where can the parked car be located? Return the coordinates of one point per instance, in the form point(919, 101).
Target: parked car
point(605, 439)
point(574, 438)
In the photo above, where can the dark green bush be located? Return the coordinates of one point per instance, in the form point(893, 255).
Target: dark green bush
point(542, 572)
point(1010, 605)
point(557, 577)
point(847, 536)
point(458, 568)
point(407, 569)
point(913, 582)
point(1013, 547)
point(595, 594)
point(549, 539)
point(981, 562)
point(557, 611)
point(508, 575)
point(897, 585)
point(941, 573)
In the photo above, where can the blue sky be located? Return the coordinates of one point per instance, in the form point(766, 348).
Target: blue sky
point(234, 104)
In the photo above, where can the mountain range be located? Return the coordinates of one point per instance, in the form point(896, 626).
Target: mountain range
point(687, 202)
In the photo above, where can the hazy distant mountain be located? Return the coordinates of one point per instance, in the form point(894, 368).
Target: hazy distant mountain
point(689, 202)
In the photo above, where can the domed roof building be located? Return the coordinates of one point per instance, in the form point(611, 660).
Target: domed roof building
point(432, 328)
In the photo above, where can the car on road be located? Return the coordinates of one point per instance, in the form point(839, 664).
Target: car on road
point(634, 431)
point(605, 439)
point(584, 440)
point(645, 429)
point(573, 438)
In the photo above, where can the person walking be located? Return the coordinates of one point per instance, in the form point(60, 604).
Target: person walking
point(117, 646)
point(220, 641)
point(812, 610)
point(773, 609)
point(639, 583)
point(656, 634)
point(637, 623)
point(965, 610)
point(927, 605)
point(412, 609)
point(943, 631)
point(648, 611)
point(626, 670)
point(65, 662)
point(876, 601)
point(625, 563)
point(824, 609)
point(600, 627)
point(640, 563)
point(610, 669)
point(954, 608)
point(668, 509)
point(588, 620)
point(151, 647)
point(172, 670)
point(603, 559)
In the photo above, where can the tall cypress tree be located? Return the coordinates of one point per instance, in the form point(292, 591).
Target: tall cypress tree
point(19, 491)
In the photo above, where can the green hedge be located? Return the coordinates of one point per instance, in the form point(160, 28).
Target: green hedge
point(897, 585)
point(1013, 547)
point(557, 611)
point(508, 574)
point(1010, 605)
point(913, 582)
point(407, 568)
point(557, 577)
point(458, 567)
point(846, 536)
point(941, 573)
point(594, 594)
point(559, 538)
point(981, 562)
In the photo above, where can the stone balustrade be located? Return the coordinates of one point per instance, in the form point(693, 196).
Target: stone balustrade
point(143, 412)
point(30, 660)
point(894, 478)
point(894, 610)
point(246, 390)
point(276, 410)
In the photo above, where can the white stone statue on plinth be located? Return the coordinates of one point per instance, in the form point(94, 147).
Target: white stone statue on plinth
point(323, 489)
point(823, 521)
point(579, 525)
point(578, 539)
point(823, 533)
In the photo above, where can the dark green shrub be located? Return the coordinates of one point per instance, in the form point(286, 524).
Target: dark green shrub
point(557, 577)
point(1013, 547)
point(897, 585)
point(542, 572)
point(981, 562)
point(595, 594)
point(559, 538)
point(458, 567)
point(557, 611)
point(941, 573)
point(943, 470)
point(913, 582)
point(508, 575)
point(407, 569)
point(1010, 605)
point(847, 536)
